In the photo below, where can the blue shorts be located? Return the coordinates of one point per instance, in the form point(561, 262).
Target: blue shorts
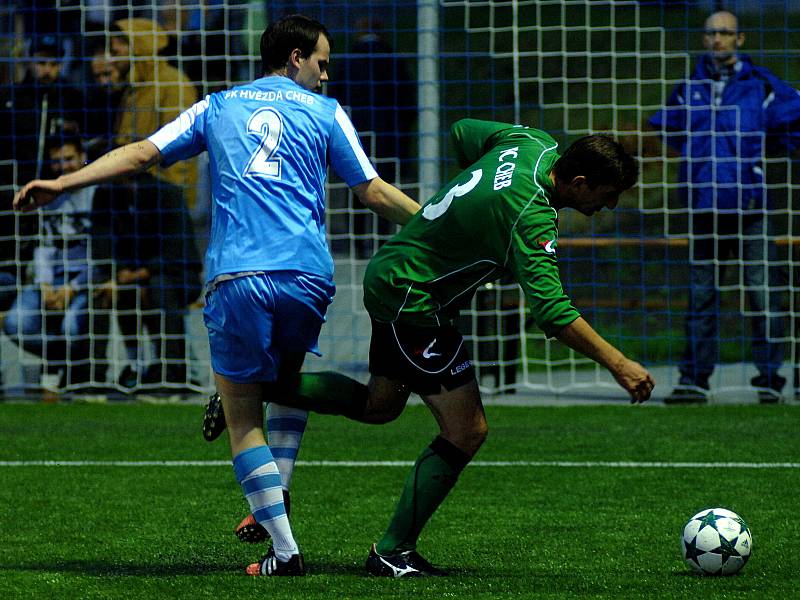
point(255, 321)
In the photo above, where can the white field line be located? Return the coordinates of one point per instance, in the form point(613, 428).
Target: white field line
point(402, 463)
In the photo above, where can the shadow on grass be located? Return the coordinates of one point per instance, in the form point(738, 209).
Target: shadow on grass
point(173, 568)
point(106, 569)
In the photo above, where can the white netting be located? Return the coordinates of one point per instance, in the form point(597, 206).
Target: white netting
point(569, 67)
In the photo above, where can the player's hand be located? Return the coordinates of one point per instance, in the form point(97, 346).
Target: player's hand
point(635, 379)
point(37, 193)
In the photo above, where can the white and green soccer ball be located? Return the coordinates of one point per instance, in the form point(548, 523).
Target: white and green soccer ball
point(716, 541)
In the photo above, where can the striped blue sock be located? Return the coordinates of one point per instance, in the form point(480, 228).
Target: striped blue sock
point(285, 427)
point(258, 475)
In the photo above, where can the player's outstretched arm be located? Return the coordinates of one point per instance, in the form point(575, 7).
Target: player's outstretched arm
point(632, 376)
point(386, 200)
point(126, 160)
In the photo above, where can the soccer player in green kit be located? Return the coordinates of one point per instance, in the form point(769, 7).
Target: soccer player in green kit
point(497, 217)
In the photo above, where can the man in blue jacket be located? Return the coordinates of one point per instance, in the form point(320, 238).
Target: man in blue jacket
point(722, 121)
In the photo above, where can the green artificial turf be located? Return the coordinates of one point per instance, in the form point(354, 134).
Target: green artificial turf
point(116, 531)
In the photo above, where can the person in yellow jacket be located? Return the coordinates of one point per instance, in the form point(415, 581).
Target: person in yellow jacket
point(156, 93)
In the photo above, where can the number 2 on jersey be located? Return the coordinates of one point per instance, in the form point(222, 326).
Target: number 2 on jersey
point(267, 124)
point(432, 211)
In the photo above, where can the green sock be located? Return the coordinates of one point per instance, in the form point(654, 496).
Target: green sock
point(324, 393)
point(431, 479)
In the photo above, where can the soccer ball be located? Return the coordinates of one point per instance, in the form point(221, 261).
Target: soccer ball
point(716, 541)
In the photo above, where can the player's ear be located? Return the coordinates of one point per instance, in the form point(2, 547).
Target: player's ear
point(739, 40)
point(294, 58)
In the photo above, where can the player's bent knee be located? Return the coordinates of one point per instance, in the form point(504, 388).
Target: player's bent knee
point(467, 439)
point(481, 433)
point(385, 400)
point(478, 437)
point(380, 415)
point(471, 437)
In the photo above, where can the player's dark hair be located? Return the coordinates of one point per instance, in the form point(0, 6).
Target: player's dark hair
point(601, 160)
point(281, 37)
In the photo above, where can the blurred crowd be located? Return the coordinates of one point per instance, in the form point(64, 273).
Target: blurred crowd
point(99, 74)
point(122, 256)
point(123, 260)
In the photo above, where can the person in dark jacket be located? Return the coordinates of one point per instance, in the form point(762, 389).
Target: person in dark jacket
point(158, 274)
point(33, 111)
point(722, 121)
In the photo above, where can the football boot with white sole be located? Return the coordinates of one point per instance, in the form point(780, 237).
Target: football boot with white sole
point(403, 564)
point(270, 566)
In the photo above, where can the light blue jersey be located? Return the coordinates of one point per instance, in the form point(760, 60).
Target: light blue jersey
point(268, 210)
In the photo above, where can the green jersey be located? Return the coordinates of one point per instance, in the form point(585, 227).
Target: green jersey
point(491, 220)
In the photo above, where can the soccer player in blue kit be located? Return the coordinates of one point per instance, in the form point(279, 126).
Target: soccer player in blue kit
point(269, 272)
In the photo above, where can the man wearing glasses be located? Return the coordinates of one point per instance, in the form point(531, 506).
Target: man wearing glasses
point(723, 121)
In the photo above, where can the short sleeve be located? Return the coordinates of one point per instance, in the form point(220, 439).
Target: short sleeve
point(347, 157)
point(185, 136)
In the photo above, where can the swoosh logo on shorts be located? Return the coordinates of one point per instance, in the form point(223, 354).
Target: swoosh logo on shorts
point(427, 352)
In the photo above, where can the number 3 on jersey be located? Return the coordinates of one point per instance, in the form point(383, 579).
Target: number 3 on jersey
point(432, 211)
point(267, 124)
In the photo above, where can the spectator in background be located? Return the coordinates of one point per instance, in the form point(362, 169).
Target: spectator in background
point(16, 248)
point(155, 93)
point(105, 90)
point(51, 317)
point(16, 251)
point(8, 263)
point(374, 82)
point(722, 121)
point(157, 276)
point(41, 106)
point(60, 18)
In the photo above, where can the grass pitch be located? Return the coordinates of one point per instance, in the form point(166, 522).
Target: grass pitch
point(595, 506)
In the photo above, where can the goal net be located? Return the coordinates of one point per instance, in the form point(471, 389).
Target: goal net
point(405, 73)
